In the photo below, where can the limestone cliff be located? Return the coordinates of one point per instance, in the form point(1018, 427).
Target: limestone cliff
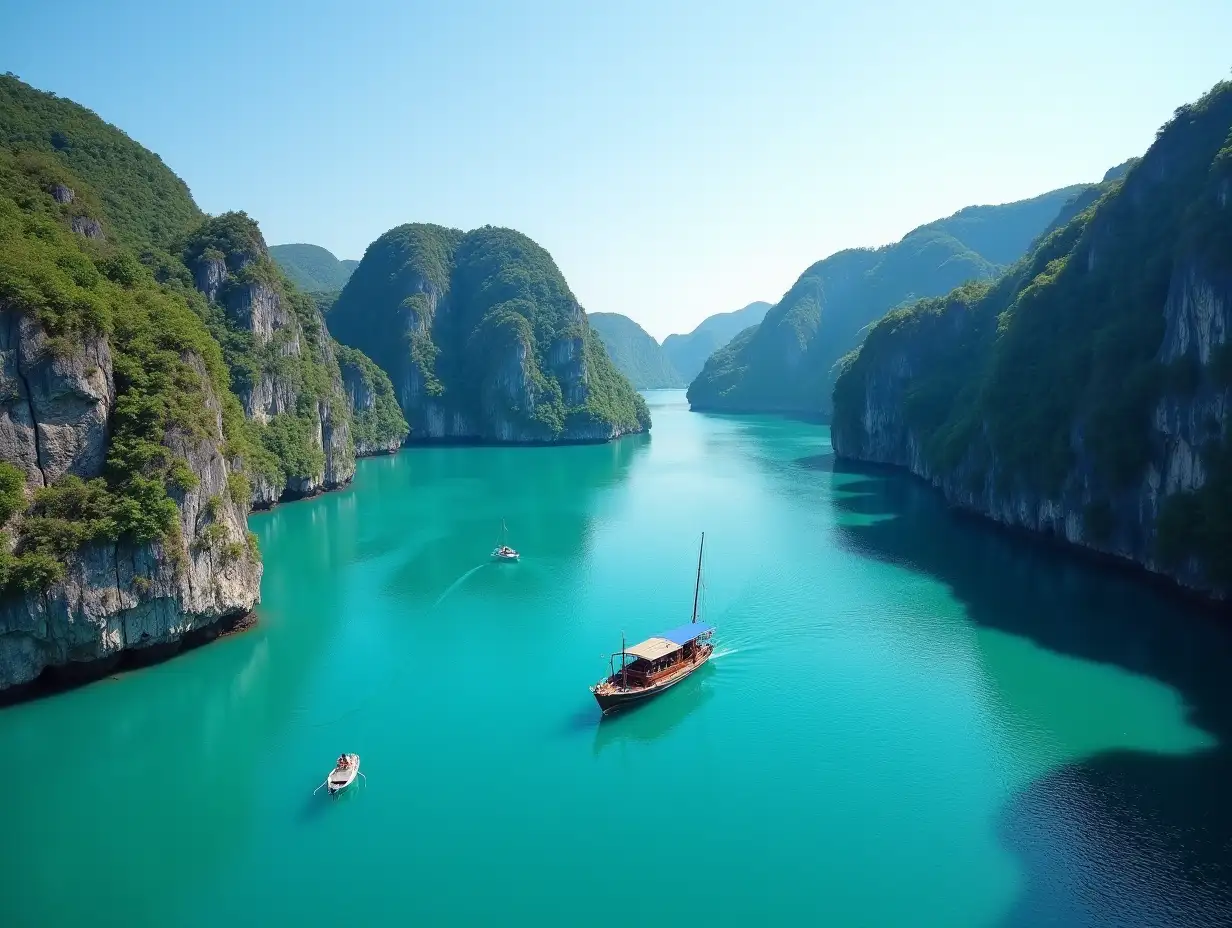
point(115, 596)
point(377, 422)
point(54, 411)
point(482, 340)
point(282, 362)
point(1084, 396)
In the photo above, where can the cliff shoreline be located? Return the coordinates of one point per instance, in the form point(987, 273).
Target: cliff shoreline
point(60, 678)
point(1095, 558)
point(467, 441)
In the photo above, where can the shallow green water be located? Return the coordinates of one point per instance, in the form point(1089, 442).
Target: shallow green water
point(911, 720)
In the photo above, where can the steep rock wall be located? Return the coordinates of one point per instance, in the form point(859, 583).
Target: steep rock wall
point(378, 426)
point(54, 410)
point(1187, 426)
point(118, 598)
point(290, 369)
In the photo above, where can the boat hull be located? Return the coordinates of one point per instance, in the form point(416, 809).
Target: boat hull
point(337, 781)
point(614, 701)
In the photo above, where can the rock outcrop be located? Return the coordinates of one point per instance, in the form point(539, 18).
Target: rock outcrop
point(290, 373)
point(378, 426)
point(54, 409)
point(482, 340)
point(1114, 437)
point(119, 598)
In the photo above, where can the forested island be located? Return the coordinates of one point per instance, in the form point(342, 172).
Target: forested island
point(483, 339)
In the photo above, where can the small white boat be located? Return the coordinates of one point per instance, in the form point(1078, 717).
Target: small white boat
point(502, 552)
point(343, 775)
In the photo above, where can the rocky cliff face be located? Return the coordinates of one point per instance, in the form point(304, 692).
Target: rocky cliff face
point(1180, 428)
point(290, 371)
point(482, 340)
point(54, 411)
point(379, 427)
point(1144, 441)
point(116, 598)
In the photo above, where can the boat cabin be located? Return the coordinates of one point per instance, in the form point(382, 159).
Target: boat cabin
point(646, 663)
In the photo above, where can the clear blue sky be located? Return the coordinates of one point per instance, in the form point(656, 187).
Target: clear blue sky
point(677, 159)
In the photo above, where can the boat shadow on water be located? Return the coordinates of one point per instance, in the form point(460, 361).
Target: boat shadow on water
point(1125, 836)
point(319, 805)
point(655, 718)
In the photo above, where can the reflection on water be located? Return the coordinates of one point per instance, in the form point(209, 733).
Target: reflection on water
point(1157, 827)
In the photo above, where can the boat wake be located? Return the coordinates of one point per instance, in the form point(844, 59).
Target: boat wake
point(457, 583)
point(724, 652)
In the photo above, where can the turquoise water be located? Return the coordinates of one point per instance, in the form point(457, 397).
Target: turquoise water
point(911, 720)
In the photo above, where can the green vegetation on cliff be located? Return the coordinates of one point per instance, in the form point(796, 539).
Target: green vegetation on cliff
point(689, 353)
point(143, 203)
point(482, 338)
point(634, 352)
point(274, 341)
point(311, 267)
point(787, 363)
point(1054, 379)
point(165, 367)
point(380, 424)
point(99, 248)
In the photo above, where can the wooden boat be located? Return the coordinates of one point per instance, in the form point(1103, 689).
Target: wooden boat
point(343, 776)
point(502, 552)
point(652, 666)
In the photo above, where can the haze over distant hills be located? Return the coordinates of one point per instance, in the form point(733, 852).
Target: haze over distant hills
point(635, 353)
point(688, 353)
point(312, 267)
point(786, 364)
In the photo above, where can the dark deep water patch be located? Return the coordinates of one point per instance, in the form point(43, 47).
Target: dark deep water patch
point(1159, 827)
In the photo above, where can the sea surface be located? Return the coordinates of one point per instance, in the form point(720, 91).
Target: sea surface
point(911, 719)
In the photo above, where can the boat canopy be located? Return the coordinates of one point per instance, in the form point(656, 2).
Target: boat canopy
point(662, 645)
point(653, 648)
point(686, 633)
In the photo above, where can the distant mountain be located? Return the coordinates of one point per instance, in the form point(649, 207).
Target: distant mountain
point(688, 353)
point(312, 267)
point(787, 364)
point(634, 352)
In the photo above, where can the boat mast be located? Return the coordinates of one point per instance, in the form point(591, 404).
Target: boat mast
point(698, 585)
point(624, 666)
